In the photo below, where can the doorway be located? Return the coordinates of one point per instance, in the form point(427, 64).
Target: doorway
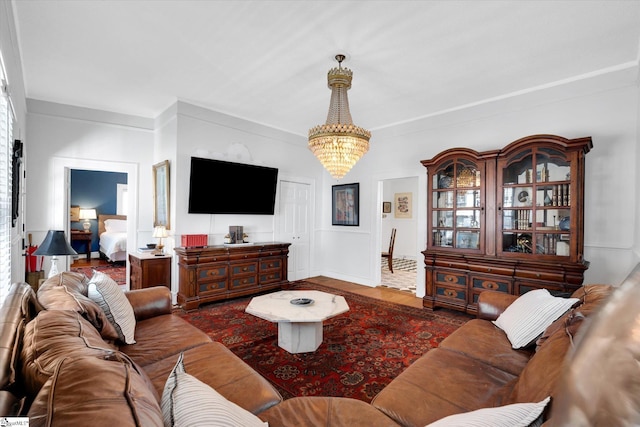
point(62, 168)
point(400, 198)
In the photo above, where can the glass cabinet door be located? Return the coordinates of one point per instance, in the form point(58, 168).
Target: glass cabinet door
point(536, 203)
point(456, 205)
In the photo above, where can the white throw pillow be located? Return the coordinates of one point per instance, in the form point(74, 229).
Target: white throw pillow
point(115, 225)
point(515, 415)
point(187, 401)
point(107, 294)
point(528, 316)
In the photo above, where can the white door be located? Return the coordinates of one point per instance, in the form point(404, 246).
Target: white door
point(294, 217)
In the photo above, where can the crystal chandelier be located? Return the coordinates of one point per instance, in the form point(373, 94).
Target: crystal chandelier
point(339, 144)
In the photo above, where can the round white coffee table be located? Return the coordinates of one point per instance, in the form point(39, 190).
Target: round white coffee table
point(299, 325)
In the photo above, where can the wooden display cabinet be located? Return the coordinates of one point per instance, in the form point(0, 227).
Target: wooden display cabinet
point(147, 270)
point(509, 220)
point(215, 273)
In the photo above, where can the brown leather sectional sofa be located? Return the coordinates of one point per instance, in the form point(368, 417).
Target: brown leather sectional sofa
point(56, 367)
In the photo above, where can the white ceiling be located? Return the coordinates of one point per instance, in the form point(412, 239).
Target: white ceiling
point(266, 61)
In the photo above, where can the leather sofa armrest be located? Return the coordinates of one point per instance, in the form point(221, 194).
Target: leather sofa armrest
point(10, 405)
point(492, 303)
point(150, 302)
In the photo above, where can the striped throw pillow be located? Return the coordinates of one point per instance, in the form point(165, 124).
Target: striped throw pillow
point(187, 401)
point(527, 317)
point(515, 415)
point(107, 294)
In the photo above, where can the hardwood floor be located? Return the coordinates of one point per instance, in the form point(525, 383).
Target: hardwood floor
point(379, 292)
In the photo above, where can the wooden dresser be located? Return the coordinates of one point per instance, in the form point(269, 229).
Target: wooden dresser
point(215, 273)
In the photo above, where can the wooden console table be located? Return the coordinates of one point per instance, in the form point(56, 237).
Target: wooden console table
point(213, 273)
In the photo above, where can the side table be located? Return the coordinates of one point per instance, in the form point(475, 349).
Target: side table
point(83, 236)
point(149, 270)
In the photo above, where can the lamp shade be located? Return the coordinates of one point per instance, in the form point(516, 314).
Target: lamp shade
point(55, 243)
point(160, 231)
point(88, 214)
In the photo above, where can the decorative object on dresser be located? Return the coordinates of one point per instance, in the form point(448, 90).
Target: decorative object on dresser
point(148, 269)
point(193, 240)
point(219, 272)
point(509, 220)
point(54, 244)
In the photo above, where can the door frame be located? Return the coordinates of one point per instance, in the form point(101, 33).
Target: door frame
point(420, 209)
point(62, 167)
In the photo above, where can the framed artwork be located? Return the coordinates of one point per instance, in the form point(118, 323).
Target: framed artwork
point(345, 200)
point(403, 205)
point(386, 207)
point(161, 194)
point(74, 213)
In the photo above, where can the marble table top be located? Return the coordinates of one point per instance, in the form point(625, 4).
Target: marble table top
point(277, 306)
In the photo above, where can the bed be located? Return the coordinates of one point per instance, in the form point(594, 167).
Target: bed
point(112, 231)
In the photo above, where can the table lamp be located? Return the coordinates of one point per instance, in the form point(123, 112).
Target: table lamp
point(87, 214)
point(160, 232)
point(54, 244)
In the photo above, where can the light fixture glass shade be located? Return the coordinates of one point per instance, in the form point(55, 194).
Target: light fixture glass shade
point(160, 232)
point(339, 144)
point(54, 244)
point(87, 214)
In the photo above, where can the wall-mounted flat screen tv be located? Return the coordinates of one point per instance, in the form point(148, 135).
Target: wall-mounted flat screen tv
point(220, 187)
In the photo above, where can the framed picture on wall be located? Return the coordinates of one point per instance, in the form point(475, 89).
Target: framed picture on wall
point(345, 202)
point(386, 207)
point(403, 205)
point(161, 194)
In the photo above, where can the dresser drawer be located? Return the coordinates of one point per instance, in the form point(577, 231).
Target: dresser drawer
point(270, 277)
point(208, 273)
point(450, 278)
point(480, 284)
point(270, 264)
point(212, 287)
point(244, 268)
point(459, 295)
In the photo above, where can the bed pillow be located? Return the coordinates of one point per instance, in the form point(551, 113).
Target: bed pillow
point(528, 316)
point(187, 401)
point(515, 415)
point(115, 225)
point(107, 294)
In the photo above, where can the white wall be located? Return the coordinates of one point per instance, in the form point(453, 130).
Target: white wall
point(61, 137)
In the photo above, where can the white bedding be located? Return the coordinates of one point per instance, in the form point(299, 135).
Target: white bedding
point(114, 245)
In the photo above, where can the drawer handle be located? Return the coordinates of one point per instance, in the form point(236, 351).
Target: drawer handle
point(450, 278)
point(450, 293)
point(537, 274)
point(490, 285)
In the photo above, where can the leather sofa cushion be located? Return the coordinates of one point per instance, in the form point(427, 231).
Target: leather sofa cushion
point(53, 335)
point(89, 391)
point(162, 336)
point(539, 379)
point(215, 365)
point(325, 411)
point(488, 344)
point(441, 383)
point(68, 291)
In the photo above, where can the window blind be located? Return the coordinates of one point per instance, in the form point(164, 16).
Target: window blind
point(6, 151)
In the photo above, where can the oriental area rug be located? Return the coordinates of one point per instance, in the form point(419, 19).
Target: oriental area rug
point(117, 271)
point(362, 350)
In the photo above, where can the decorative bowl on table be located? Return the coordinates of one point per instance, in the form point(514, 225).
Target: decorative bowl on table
point(151, 245)
point(301, 301)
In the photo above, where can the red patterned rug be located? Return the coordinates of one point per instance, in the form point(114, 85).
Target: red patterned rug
point(117, 272)
point(362, 351)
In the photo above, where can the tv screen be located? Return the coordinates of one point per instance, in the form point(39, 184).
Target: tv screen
point(219, 187)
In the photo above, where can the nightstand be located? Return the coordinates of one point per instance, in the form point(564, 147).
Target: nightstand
point(83, 236)
point(149, 270)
